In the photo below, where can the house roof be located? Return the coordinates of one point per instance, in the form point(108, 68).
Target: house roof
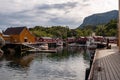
point(14, 30)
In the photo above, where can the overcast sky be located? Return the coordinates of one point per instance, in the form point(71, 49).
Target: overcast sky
point(50, 12)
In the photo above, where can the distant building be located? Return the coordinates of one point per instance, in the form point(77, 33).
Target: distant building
point(58, 41)
point(70, 39)
point(18, 35)
point(45, 39)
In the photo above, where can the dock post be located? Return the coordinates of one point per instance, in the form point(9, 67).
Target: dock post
point(87, 73)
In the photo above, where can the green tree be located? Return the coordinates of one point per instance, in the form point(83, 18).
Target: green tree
point(101, 30)
point(79, 32)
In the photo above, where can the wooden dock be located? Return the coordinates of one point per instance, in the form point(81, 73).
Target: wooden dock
point(44, 51)
point(106, 65)
point(36, 49)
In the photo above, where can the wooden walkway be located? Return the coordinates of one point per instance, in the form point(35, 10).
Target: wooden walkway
point(44, 51)
point(106, 65)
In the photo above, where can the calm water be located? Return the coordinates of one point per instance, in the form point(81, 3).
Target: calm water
point(67, 64)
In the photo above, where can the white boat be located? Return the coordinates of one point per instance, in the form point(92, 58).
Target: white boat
point(72, 44)
point(60, 43)
point(90, 44)
point(44, 46)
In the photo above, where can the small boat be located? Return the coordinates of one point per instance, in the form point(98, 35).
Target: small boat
point(44, 46)
point(60, 43)
point(72, 44)
point(90, 44)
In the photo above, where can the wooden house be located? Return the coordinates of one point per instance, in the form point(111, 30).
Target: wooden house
point(70, 39)
point(18, 35)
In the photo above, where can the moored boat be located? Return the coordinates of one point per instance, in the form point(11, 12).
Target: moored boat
point(60, 43)
point(44, 46)
point(90, 44)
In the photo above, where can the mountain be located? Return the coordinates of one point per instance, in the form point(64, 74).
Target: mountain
point(100, 18)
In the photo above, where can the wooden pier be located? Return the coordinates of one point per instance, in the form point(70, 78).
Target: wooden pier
point(44, 51)
point(106, 64)
point(20, 48)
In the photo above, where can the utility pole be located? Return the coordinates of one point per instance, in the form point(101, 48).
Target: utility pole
point(119, 24)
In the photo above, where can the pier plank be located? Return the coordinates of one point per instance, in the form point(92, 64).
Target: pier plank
point(105, 66)
point(103, 76)
point(99, 73)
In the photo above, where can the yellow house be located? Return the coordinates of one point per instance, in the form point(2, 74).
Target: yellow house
point(18, 35)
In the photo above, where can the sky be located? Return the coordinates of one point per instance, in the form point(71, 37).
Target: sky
point(30, 13)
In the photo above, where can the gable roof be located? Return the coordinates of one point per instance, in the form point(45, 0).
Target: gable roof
point(14, 30)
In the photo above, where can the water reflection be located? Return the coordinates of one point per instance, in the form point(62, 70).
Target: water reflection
point(68, 64)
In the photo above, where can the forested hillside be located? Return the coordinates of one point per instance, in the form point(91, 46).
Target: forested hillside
point(109, 29)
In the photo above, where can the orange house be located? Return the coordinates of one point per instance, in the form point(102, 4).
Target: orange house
point(18, 35)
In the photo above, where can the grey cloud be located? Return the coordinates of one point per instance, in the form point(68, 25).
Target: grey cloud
point(65, 22)
point(62, 21)
point(24, 17)
point(85, 0)
point(4, 19)
point(86, 4)
point(11, 19)
point(58, 6)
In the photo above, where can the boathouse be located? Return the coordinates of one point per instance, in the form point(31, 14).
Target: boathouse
point(70, 39)
point(48, 39)
point(45, 39)
point(18, 35)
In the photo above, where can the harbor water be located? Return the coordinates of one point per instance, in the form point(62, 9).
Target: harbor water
point(67, 64)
